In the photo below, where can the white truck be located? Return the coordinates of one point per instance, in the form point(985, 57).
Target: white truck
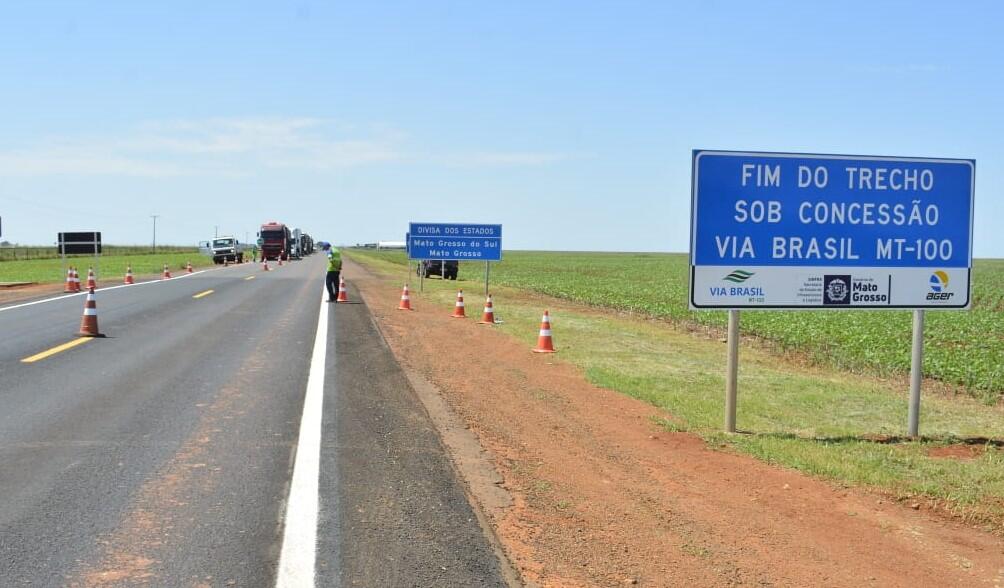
point(227, 249)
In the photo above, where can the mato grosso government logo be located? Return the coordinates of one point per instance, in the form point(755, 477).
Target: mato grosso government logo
point(837, 290)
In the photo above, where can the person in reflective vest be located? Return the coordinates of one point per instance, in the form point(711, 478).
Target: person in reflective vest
point(334, 269)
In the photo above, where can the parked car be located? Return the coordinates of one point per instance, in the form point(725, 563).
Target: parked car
point(446, 269)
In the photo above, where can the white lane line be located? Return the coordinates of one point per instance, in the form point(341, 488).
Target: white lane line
point(298, 557)
point(105, 289)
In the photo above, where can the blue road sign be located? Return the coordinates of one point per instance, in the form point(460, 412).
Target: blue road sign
point(455, 241)
point(784, 230)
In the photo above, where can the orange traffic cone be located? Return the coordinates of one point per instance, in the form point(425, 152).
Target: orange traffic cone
point(544, 343)
point(188, 269)
point(405, 300)
point(343, 292)
point(226, 261)
point(128, 277)
point(167, 273)
point(488, 318)
point(76, 280)
point(92, 284)
point(69, 281)
point(280, 258)
point(264, 264)
point(458, 309)
point(89, 322)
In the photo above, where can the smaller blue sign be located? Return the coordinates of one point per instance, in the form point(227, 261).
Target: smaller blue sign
point(449, 241)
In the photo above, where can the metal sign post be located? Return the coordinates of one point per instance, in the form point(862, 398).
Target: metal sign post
point(835, 232)
point(407, 248)
point(487, 271)
point(732, 372)
point(916, 372)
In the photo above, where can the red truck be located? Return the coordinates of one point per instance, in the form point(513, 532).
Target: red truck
point(273, 238)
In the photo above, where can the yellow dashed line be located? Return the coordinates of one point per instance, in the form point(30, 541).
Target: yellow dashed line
point(248, 278)
point(201, 294)
point(55, 350)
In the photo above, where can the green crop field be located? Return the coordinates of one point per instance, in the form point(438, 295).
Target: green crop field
point(963, 348)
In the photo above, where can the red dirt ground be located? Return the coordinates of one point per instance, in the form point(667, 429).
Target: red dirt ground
point(957, 451)
point(604, 498)
point(19, 293)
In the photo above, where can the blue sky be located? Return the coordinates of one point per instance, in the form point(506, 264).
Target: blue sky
point(571, 123)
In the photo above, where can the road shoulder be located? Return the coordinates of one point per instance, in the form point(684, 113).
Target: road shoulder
point(393, 509)
point(473, 464)
point(602, 496)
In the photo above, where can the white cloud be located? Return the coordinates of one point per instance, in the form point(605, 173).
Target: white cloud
point(241, 135)
point(76, 161)
point(236, 147)
point(527, 158)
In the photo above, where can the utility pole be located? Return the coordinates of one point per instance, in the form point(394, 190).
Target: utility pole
point(216, 231)
point(154, 217)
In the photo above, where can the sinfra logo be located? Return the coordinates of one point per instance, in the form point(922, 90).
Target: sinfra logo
point(939, 287)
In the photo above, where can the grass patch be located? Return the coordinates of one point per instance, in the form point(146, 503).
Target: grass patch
point(17, 252)
point(822, 421)
point(110, 266)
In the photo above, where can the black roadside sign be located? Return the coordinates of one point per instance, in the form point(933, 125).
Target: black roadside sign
point(80, 242)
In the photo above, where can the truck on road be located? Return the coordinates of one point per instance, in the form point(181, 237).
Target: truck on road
point(274, 240)
point(225, 249)
point(306, 244)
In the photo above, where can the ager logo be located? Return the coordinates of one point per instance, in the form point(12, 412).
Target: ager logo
point(939, 285)
point(836, 290)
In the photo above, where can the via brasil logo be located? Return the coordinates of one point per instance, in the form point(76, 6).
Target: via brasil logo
point(939, 285)
point(738, 276)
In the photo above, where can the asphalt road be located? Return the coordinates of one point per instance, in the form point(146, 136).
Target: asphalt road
point(162, 454)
